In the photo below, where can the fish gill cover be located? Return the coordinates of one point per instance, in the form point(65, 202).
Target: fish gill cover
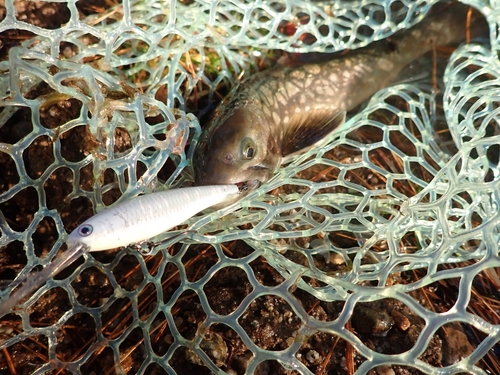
point(374, 254)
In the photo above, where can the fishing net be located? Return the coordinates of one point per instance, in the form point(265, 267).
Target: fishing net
point(374, 254)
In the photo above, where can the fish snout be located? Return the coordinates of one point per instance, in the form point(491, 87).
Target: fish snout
point(247, 186)
point(213, 176)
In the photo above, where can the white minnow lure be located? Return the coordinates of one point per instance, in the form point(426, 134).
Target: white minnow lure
point(132, 221)
point(147, 216)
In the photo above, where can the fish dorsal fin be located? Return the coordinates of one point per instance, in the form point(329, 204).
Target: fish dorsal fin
point(310, 128)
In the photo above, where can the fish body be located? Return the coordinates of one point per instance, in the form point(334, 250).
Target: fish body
point(284, 111)
point(146, 216)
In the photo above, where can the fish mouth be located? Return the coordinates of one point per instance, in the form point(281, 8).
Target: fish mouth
point(248, 185)
point(244, 187)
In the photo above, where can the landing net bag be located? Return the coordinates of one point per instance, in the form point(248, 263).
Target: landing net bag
point(374, 254)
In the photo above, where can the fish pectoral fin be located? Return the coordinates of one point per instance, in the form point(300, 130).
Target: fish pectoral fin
point(309, 129)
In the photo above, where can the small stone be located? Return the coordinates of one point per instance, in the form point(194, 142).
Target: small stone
point(369, 320)
point(312, 356)
point(402, 322)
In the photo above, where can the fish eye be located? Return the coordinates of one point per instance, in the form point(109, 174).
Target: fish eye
point(247, 148)
point(85, 230)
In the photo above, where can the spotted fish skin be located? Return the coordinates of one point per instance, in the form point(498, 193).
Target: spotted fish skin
point(283, 111)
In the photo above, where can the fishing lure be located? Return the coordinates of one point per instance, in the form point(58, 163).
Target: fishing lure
point(147, 216)
point(129, 222)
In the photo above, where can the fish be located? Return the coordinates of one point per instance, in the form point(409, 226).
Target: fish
point(278, 113)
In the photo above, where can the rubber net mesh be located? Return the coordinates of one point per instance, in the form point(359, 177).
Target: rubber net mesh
point(377, 250)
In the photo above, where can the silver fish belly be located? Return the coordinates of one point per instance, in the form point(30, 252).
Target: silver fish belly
point(283, 111)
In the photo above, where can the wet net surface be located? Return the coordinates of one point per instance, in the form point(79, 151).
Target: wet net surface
point(374, 254)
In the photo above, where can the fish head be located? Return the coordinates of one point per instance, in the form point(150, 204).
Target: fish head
point(237, 148)
point(242, 147)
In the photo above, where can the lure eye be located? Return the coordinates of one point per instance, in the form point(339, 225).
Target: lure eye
point(247, 149)
point(85, 230)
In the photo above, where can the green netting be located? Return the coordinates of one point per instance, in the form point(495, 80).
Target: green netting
point(402, 200)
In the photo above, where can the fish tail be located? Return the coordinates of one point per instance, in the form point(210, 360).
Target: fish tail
point(447, 24)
